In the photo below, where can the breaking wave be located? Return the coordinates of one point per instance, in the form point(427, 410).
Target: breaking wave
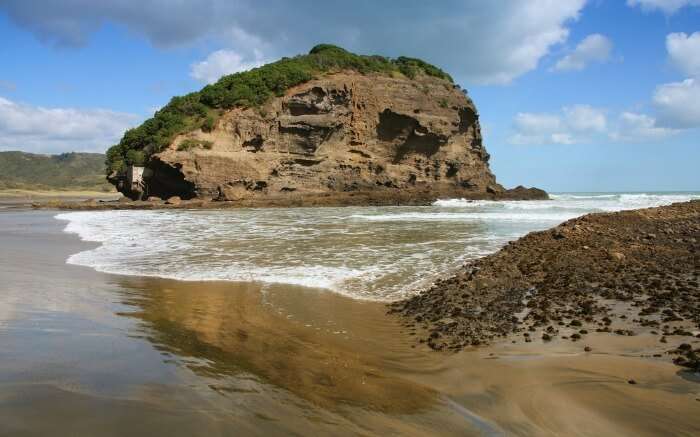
point(377, 253)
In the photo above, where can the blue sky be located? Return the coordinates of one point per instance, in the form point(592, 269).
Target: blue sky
point(574, 95)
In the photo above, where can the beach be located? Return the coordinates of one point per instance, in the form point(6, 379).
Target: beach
point(97, 352)
point(26, 198)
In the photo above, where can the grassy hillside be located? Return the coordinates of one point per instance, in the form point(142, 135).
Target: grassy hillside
point(68, 171)
point(200, 110)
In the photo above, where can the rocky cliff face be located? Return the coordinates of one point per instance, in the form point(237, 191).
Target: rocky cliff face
point(340, 133)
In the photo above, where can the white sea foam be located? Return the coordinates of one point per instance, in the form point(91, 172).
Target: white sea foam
point(465, 216)
point(379, 253)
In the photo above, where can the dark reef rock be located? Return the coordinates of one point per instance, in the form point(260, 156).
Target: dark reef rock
point(601, 272)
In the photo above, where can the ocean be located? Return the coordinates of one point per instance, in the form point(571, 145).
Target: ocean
point(371, 253)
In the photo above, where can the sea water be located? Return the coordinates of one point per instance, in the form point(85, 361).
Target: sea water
point(375, 253)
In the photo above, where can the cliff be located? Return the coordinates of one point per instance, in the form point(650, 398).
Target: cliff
point(369, 125)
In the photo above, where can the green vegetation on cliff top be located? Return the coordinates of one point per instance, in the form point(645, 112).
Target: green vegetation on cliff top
point(246, 89)
point(67, 171)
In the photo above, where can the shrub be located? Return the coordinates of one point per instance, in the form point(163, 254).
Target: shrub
point(410, 67)
point(114, 159)
point(190, 143)
point(209, 123)
point(135, 157)
point(248, 89)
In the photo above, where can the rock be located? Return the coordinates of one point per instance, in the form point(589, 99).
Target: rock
point(540, 283)
point(173, 200)
point(616, 256)
point(587, 349)
point(631, 381)
point(154, 199)
point(522, 193)
point(388, 138)
point(125, 199)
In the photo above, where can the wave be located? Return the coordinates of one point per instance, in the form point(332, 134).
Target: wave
point(589, 202)
point(583, 196)
point(319, 249)
point(376, 253)
point(461, 217)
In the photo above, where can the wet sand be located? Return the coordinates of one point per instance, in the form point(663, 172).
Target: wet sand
point(85, 353)
point(26, 198)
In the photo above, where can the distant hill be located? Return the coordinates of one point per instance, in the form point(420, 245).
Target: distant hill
point(67, 171)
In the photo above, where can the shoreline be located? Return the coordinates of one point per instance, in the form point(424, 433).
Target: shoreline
point(16, 198)
point(416, 197)
point(625, 273)
point(13, 193)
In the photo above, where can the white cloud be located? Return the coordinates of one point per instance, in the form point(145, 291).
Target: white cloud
point(593, 48)
point(585, 118)
point(684, 52)
point(480, 42)
point(49, 130)
point(634, 127)
point(572, 125)
point(668, 7)
point(508, 43)
point(678, 104)
point(536, 123)
point(584, 124)
point(563, 138)
point(223, 62)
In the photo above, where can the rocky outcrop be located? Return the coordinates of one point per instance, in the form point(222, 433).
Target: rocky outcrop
point(624, 273)
point(340, 133)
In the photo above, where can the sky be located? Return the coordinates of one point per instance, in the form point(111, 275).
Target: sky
point(573, 95)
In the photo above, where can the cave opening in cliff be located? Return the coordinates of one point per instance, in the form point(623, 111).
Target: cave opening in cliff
point(422, 143)
point(168, 181)
point(393, 125)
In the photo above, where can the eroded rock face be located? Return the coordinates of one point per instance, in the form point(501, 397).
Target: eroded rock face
point(340, 133)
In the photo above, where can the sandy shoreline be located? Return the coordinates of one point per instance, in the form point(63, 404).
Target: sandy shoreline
point(149, 355)
point(27, 198)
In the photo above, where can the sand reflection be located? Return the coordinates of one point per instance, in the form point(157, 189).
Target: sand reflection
point(227, 331)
